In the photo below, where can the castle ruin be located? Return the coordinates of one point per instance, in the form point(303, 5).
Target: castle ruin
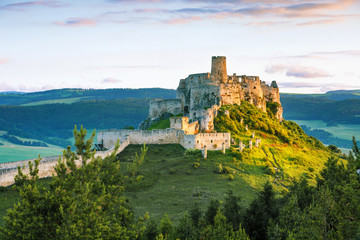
point(198, 98)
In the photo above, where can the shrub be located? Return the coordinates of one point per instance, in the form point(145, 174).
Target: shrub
point(188, 172)
point(231, 177)
point(196, 165)
point(172, 171)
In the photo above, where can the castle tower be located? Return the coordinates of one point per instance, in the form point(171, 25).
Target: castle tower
point(218, 68)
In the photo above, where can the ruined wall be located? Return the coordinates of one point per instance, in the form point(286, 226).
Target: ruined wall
point(182, 123)
point(231, 94)
point(213, 141)
point(160, 106)
point(155, 136)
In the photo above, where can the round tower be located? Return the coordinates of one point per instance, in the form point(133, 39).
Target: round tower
point(218, 68)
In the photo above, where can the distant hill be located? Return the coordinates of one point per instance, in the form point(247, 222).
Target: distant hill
point(333, 107)
point(63, 95)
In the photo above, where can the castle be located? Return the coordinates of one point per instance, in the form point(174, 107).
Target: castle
point(198, 98)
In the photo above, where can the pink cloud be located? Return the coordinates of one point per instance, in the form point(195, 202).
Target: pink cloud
point(111, 80)
point(183, 20)
point(76, 22)
point(297, 71)
point(21, 6)
point(4, 60)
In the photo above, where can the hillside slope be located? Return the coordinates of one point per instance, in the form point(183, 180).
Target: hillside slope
point(173, 177)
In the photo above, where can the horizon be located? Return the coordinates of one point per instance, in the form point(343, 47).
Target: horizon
point(307, 47)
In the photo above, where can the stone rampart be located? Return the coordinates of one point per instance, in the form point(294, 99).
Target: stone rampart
point(155, 136)
point(46, 166)
point(161, 106)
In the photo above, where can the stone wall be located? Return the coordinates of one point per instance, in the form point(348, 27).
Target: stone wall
point(161, 106)
point(213, 141)
point(46, 167)
point(155, 136)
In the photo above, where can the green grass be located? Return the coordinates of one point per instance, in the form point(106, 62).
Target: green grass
point(162, 124)
point(54, 101)
point(10, 152)
point(162, 191)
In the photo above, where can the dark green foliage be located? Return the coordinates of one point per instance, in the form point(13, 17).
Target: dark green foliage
point(262, 210)
point(211, 211)
point(195, 214)
point(151, 231)
point(330, 107)
point(232, 210)
point(185, 230)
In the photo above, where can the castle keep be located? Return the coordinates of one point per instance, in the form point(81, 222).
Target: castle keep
point(198, 98)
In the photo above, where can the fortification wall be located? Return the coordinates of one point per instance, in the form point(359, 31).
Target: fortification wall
point(8, 171)
point(213, 141)
point(161, 106)
point(155, 136)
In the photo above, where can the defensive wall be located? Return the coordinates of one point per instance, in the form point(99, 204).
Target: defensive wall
point(159, 106)
point(8, 171)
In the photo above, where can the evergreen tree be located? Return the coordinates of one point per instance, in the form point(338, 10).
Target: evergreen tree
point(81, 203)
point(232, 210)
point(262, 209)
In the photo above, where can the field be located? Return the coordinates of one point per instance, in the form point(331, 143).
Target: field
point(11, 152)
point(54, 101)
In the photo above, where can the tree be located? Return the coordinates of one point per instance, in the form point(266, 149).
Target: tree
point(261, 211)
point(232, 210)
point(211, 212)
point(81, 203)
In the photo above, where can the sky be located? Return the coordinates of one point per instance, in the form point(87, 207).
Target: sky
point(310, 46)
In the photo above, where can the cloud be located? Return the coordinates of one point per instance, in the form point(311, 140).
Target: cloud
point(76, 22)
point(183, 20)
point(21, 6)
point(306, 72)
point(298, 85)
point(111, 80)
point(276, 68)
point(4, 60)
point(297, 71)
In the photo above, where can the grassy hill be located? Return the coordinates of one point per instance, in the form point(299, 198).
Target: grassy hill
point(174, 178)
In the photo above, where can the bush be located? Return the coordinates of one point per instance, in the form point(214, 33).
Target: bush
point(172, 171)
point(188, 172)
point(196, 165)
point(231, 177)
